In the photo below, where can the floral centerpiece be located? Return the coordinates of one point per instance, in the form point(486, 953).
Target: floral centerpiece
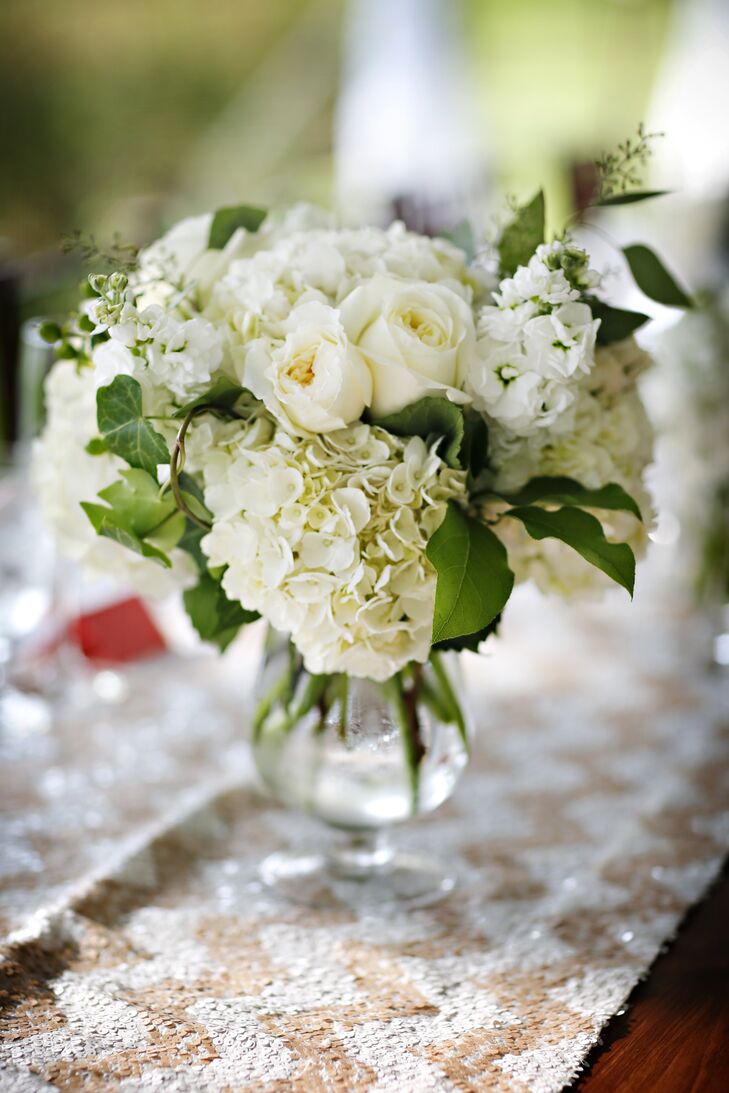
point(364, 436)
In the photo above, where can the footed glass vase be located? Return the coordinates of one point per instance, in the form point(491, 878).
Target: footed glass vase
point(361, 757)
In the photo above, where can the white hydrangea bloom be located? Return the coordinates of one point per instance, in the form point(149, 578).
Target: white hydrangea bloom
point(326, 539)
point(64, 475)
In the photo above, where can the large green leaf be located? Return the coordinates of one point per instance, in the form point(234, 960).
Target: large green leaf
point(429, 418)
point(629, 198)
point(474, 579)
point(521, 238)
point(228, 220)
point(616, 324)
point(214, 616)
point(652, 277)
point(223, 395)
point(583, 532)
point(566, 491)
point(124, 428)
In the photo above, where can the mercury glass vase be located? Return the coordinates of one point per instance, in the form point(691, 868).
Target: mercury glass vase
point(361, 757)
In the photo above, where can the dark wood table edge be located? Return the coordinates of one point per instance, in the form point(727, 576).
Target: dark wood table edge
point(673, 1034)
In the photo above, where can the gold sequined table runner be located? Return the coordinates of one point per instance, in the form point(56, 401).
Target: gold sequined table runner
point(143, 953)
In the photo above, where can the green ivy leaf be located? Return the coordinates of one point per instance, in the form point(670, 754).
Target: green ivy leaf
point(137, 503)
point(566, 491)
point(616, 324)
point(106, 523)
point(223, 394)
point(227, 221)
point(583, 532)
point(463, 237)
point(652, 277)
point(522, 237)
point(429, 417)
point(214, 616)
point(124, 428)
point(629, 199)
point(474, 580)
point(168, 535)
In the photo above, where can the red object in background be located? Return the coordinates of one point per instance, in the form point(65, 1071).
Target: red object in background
point(118, 633)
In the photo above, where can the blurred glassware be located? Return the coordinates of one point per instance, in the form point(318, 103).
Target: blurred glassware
point(35, 357)
point(26, 582)
point(405, 130)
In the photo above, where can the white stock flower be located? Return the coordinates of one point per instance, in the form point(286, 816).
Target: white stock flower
point(315, 381)
point(417, 338)
point(327, 540)
point(535, 342)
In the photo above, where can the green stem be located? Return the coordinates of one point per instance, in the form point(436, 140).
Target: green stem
point(343, 700)
point(405, 705)
point(449, 697)
point(282, 687)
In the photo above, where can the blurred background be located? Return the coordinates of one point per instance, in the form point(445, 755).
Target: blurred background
point(121, 118)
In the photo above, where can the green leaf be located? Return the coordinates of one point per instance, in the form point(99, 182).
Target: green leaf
point(462, 236)
point(168, 535)
point(97, 446)
point(566, 491)
point(522, 237)
point(471, 642)
point(223, 394)
point(474, 579)
point(583, 532)
point(615, 323)
point(50, 332)
point(475, 445)
point(652, 277)
point(227, 221)
point(629, 199)
point(428, 418)
point(137, 503)
point(190, 542)
point(106, 523)
point(124, 428)
point(214, 616)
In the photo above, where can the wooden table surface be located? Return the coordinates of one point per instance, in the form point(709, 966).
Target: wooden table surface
point(674, 1035)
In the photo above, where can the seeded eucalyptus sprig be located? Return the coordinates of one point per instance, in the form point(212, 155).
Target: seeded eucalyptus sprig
point(117, 254)
point(621, 170)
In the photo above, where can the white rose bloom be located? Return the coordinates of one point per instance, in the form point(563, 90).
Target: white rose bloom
point(327, 540)
point(315, 381)
point(417, 338)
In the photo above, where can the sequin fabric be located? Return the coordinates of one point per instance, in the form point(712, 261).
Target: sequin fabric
point(142, 953)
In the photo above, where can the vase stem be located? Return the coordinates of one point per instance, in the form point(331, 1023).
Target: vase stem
point(359, 854)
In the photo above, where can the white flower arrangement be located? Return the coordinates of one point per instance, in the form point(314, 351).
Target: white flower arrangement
point(357, 434)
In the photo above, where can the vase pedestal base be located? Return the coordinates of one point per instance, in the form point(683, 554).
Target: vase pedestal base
point(325, 881)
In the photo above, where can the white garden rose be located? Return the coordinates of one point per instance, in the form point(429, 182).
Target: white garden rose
point(417, 338)
point(315, 381)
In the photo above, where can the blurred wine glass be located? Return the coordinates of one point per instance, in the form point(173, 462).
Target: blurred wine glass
point(26, 578)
